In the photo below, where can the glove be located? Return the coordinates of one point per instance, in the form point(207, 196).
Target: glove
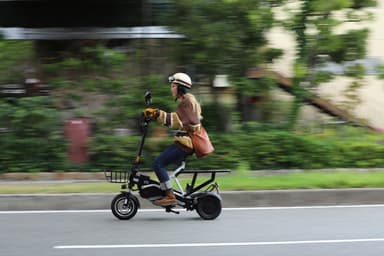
point(151, 113)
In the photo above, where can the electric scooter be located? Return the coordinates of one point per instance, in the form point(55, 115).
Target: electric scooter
point(202, 196)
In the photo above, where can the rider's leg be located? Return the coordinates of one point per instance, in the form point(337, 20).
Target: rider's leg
point(170, 155)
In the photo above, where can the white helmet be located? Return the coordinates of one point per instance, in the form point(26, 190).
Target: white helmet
point(181, 79)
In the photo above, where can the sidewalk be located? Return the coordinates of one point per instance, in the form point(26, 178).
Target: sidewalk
point(263, 198)
point(88, 201)
point(93, 176)
point(51, 176)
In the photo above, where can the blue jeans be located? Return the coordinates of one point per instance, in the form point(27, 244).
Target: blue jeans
point(171, 154)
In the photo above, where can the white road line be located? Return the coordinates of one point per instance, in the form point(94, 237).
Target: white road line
point(116, 246)
point(305, 207)
point(74, 211)
point(53, 211)
point(224, 209)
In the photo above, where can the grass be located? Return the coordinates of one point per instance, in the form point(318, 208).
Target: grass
point(307, 180)
point(88, 187)
point(234, 181)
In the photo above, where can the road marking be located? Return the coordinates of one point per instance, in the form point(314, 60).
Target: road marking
point(74, 211)
point(305, 207)
point(224, 209)
point(53, 211)
point(117, 246)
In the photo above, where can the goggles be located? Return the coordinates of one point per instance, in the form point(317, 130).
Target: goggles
point(171, 79)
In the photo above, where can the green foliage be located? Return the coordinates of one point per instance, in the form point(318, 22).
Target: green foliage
point(358, 4)
point(102, 71)
point(272, 54)
point(329, 6)
point(30, 141)
point(15, 55)
point(216, 116)
point(109, 151)
point(351, 46)
point(128, 104)
point(91, 60)
point(256, 150)
point(221, 36)
point(381, 71)
point(252, 87)
point(112, 151)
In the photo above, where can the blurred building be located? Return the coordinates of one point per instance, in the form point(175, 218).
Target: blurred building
point(59, 26)
point(73, 20)
point(75, 14)
point(371, 94)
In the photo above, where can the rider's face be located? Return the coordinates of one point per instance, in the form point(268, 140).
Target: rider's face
point(174, 89)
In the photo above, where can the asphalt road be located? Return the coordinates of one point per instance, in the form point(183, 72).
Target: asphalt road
point(353, 230)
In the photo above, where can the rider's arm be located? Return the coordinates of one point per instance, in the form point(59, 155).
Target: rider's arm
point(170, 120)
point(186, 116)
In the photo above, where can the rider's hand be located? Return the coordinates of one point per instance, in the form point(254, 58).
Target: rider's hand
point(151, 113)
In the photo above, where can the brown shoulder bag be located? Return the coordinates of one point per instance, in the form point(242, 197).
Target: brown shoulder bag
point(201, 143)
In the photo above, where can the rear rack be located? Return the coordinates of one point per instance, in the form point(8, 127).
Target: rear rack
point(116, 176)
point(207, 171)
point(195, 186)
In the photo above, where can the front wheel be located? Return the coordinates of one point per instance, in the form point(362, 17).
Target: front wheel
point(124, 206)
point(208, 207)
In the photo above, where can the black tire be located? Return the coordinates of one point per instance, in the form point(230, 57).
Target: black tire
point(124, 206)
point(208, 207)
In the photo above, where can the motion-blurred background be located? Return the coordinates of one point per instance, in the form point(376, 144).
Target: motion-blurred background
point(283, 84)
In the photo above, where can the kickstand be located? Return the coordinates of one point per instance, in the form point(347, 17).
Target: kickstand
point(169, 209)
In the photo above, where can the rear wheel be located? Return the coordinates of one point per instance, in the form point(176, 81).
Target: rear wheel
point(124, 206)
point(208, 207)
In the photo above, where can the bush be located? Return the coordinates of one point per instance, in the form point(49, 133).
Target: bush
point(283, 150)
point(111, 151)
point(30, 141)
point(263, 150)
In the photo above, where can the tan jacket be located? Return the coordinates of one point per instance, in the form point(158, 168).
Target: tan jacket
point(186, 118)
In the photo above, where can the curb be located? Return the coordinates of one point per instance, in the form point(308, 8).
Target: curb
point(263, 198)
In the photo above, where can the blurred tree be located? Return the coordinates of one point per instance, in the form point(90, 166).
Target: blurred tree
point(223, 36)
point(326, 31)
point(381, 71)
point(98, 75)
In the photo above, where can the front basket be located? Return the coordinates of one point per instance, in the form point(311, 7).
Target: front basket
point(116, 176)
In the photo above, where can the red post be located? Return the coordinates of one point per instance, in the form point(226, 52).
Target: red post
point(77, 131)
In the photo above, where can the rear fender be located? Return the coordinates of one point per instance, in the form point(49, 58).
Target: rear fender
point(197, 196)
